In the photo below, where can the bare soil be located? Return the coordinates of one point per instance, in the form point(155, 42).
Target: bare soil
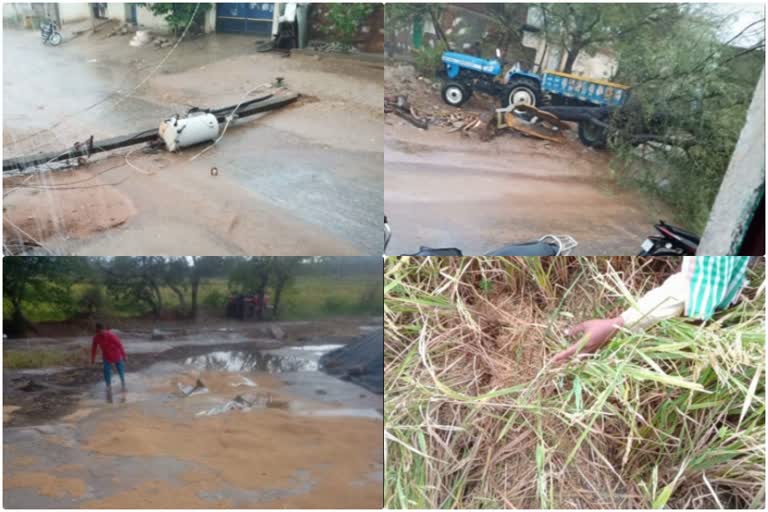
point(89, 213)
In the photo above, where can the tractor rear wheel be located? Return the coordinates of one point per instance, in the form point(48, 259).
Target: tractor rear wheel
point(455, 94)
point(593, 135)
point(522, 91)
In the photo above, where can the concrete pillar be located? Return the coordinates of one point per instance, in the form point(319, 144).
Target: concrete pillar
point(743, 185)
point(209, 24)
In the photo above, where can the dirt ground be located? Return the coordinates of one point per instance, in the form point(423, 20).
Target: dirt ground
point(286, 183)
point(444, 189)
point(154, 446)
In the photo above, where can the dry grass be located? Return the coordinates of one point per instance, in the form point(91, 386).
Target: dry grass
point(476, 417)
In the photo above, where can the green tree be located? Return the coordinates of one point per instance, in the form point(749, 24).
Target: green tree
point(175, 272)
point(92, 299)
point(693, 91)
point(345, 20)
point(178, 16)
point(203, 267)
point(586, 28)
point(137, 280)
point(283, 272)
point(35, 279)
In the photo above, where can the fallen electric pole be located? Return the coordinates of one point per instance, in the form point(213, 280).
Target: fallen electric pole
point(90, 147)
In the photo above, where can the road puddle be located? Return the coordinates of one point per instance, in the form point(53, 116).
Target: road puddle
point(352, 413)
point(303, 358)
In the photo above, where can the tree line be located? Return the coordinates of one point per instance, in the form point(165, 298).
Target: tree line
point(140, 281)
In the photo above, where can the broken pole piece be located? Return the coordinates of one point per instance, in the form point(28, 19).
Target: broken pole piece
point(78, 150)
point(256, 107)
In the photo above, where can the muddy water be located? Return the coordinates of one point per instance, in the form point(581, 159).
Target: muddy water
point(297, 438)
point(443, 190)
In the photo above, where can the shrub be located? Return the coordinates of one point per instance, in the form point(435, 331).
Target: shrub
point(427, 61)
point(214, 298)
point(344, 21)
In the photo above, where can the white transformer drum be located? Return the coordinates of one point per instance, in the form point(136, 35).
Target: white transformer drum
point(187, 131)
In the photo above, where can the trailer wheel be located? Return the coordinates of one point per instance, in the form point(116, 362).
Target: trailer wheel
point(592, 135)
point(455, 94)
point(523, 91)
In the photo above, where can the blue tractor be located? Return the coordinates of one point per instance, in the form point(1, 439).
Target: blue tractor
point(467, 73)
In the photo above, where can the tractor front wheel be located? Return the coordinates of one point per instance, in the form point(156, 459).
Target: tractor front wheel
point(455, 94)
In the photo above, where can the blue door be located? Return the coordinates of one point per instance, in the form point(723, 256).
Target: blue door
point(244, 18)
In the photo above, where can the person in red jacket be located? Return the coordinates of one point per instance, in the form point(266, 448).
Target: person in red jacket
point(112, 352)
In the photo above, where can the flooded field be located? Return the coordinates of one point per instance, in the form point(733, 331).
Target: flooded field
point(234, 424)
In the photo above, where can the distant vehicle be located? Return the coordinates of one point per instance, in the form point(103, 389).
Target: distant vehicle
point(467, 73)
point(49, 32)
point(247, 306)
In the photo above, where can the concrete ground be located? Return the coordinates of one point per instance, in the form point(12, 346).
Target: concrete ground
point(305, 439)
point(306, 179)
point(443, 189)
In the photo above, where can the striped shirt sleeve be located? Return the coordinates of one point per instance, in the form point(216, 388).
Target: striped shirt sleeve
point(714, 283)
point(704, 285)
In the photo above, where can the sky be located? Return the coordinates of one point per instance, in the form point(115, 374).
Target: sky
point(741, 16)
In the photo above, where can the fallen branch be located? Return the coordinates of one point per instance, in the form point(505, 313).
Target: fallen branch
point(399, 106)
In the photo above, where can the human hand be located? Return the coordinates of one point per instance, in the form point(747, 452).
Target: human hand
point(593, 335)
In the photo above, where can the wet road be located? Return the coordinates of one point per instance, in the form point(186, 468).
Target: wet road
point(268, 430)
point(443, 190)
point(284, 186)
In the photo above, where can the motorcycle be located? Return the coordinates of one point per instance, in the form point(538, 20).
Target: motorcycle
point(672, 242)
point(548, 245)
point(49, 32)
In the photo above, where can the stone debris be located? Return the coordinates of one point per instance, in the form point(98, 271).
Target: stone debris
point(245, 382)
point(246, 403)
point(198, 389)
point(32, 386)
point(277, 332)
point(125, 28)
point(141, 38)
point(158, 335)
point(330, 47)
point(162, 42)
